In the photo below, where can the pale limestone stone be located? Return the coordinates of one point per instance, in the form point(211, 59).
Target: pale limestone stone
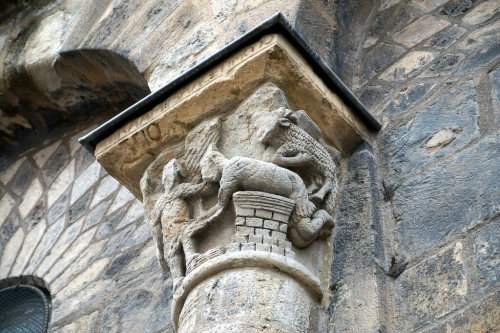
point(427, 5)
point(83, 297)
point(407, 66)
point(47, 38)
point(88, 323)
point(135, 211)
point(7, 175)
point(107, 186)
point(125, 159)
point(387, 3)
point(419, 30)
point(10, 253)
point(59, 248)
point(30, 197)
point(85, 181)
point(77, 266)
point(85, 278)
point(441, 138)
point(480, 37)
point(222, 9)
point(62, 182)
point(70, 255)
point(43, 155)
point(29, 245)
point(6, 205)
point(482, 12)
point(123, 197)
point(45, 245)
point(144, 258)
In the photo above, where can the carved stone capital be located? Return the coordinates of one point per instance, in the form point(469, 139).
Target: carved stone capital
point(238, 173)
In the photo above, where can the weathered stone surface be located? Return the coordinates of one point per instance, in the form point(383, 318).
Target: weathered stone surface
point(443, 65)
point(86, 179)
point(407, 66)
point(146, 296)
point(405, 146)
point(6, 203)
point(446, 37)
point(420, 29)
point(478, 60)
point(392, 20)
point(29, 245)
point(135, 212)
point(59, 248)
point(373, 96)
point(6, 175)
point(379, 57)
point(457, 7)
point(88, 323)
point(355, 302)
point(130, 236)
point(30, 198)
point(86, 258)
point(46, 244)
point(22, 178)
point(96, 214)
point(123, 197)
point(487, 254)
point(69, 255)
point(79, 207)
point(61, 184)
point(59, 207)
point(482, 316)
point(432, 289)
point(465, 186)
point(482, 12)
point(107, 186)
point(482, 38)
point(88, 298)
point(55, 165)
point(495, 94)
point(85, 278)
point(43, 155)
point(110, 223)
point(10, 253)
point(427, 5)
point(409, 96)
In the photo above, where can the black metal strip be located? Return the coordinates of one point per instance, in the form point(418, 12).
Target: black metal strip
point(277, 24)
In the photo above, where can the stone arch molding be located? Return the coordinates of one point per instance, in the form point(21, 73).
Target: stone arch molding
point(47, 81)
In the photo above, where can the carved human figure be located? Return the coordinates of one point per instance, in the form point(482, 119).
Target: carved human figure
point(296, 148)
point(169, 217)
point(246, 174)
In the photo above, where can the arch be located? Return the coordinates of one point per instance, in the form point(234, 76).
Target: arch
point(25, 304)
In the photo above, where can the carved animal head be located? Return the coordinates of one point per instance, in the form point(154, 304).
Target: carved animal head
point(211, 165)
point(271, 131)
point(171, 175)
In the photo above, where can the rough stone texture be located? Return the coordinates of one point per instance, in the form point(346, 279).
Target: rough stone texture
point(438, 202)
point(356, 299)
point(406, 146)
point(483, 316)
point(487, 254)
point(464, 185)
point(432, 289)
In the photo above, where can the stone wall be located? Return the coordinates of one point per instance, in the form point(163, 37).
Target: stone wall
point(417, 229)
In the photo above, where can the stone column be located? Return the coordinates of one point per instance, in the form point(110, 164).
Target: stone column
point(237, 170)
point(256, 285)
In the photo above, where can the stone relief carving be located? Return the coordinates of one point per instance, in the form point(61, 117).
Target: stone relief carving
point(187, 194)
